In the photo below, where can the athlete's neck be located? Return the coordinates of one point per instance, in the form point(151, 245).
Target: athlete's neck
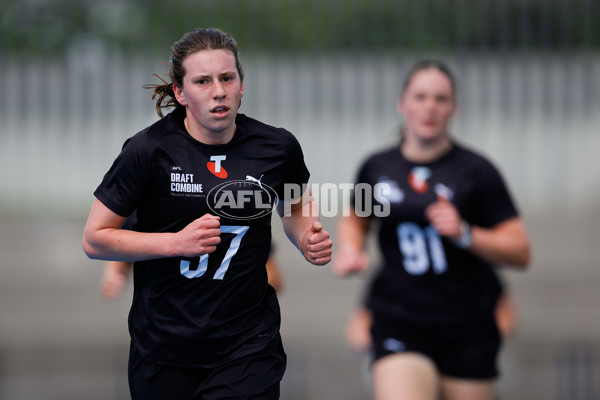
point(425, 151)
point(208, 137)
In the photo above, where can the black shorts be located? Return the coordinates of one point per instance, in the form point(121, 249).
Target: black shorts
point(467, 350)
point(253, 377)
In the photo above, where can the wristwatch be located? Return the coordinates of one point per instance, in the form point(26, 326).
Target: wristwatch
point(466, 239)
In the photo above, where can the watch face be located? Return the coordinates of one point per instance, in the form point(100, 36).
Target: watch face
point(465, 239)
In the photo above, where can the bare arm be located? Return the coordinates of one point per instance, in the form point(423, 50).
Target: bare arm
point(302, 226)
point(103, 238)
point(505, 243)
point(358, 329)
point(274, 273)
point(351, 233)
point(114, 278)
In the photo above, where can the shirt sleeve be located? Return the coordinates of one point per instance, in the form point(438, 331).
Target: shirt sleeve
point(493, 198)
point(126, 182)
point(130, 222)
point(296, 171)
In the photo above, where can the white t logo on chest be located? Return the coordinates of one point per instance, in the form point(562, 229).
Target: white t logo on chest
point(217, 160)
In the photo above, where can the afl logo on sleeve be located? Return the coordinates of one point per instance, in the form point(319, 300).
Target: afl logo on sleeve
point(214, 166)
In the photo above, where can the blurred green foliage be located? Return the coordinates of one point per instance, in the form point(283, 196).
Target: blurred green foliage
point(53, 27)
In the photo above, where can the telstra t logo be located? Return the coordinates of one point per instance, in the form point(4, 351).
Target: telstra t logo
point(214, 166)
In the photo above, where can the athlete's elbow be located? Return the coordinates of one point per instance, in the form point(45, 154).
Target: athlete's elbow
point(524, 258)
point(89, 249)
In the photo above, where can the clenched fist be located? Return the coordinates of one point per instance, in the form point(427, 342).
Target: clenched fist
point(316, 245)
point(200, 236)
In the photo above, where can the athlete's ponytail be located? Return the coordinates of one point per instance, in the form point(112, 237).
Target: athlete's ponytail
point(164, 94)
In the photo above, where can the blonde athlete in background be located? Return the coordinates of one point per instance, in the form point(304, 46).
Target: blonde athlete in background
point(451, 221)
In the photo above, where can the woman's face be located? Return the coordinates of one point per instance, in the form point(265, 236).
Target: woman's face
point(212, 90)
point(427, 105)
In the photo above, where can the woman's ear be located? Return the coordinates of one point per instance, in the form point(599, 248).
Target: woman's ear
point(179, 95)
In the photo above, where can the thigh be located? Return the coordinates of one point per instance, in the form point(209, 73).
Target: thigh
point(465, 389)
point(405, 376)
point(404, 357)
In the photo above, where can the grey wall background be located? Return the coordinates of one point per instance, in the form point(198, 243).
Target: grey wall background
point(330, 72)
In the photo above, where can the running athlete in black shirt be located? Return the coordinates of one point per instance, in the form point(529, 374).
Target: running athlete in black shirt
point(450, 219)
point(204, 323)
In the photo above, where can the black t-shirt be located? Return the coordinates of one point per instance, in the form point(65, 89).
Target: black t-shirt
point(425, 277)
point(204, 311)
